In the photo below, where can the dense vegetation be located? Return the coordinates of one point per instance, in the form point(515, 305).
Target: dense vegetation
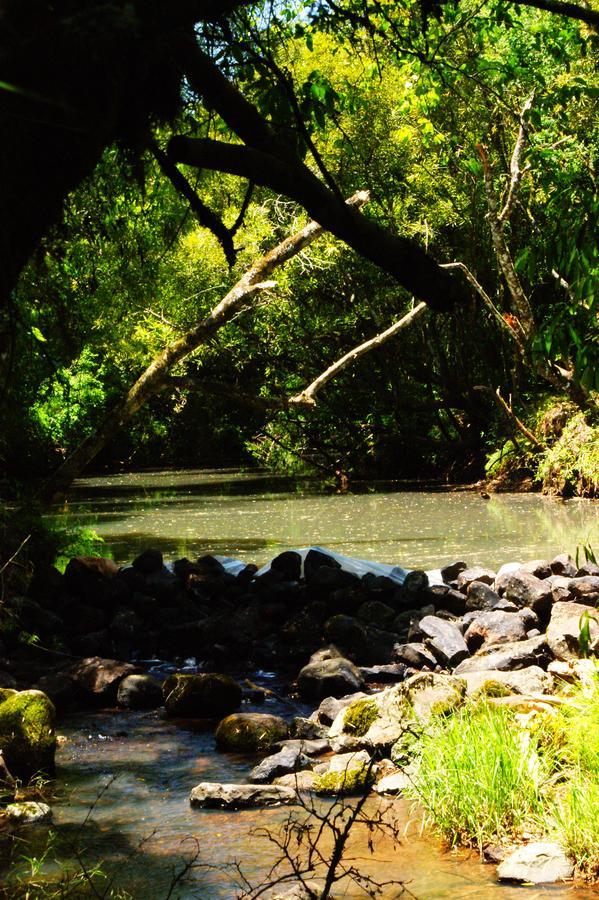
point(469, 123)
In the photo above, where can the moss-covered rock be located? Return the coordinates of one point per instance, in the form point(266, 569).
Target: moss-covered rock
point(206, 695)
point(250, 732)
point(347, 773)
point(27, 735)
point(359, 716)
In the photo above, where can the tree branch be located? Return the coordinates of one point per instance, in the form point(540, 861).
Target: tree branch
point(515, 171)
point(306, 397)
point(571, 10)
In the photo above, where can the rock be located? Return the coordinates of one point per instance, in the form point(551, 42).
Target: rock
point(564, 565)
point(330, 707)
point(585, 589)
point(139, 692)
point(300, 890)
point(480, 596)
point(531, 680)
point(384, 674)
point(414, 582)
point(445, 640)
point(80, 618)
point(416, 655)
point(314, 561)
point(307, 729)
point(540, 568)
point(393, 784)
point(329, 677)
point(588, 568)
point(148, 562)
point(531, 652)
point(28, 812)
point(7, 680)
point(476, 573)
point(345, 773)
point(203, 696)
point(309, 748)
point(443, 597)
point(289, 759)
point(127, 624)
point(377, 613)
point(541, 862)
point(27, 735)
point(348, 632)
point(299, 781)
point(563, 631)
point(98, 679)
point(211, 795)
point(450, 572)
point(527, 590)
point(250, 732)
point(59, 687)
point(494, 627)
point(84, 576)
point(289, 564)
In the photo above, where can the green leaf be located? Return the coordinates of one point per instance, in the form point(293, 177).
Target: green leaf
point(38, 335)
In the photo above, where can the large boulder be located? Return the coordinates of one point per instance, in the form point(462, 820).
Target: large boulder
point(139, 692)
point(98, 679)
point(494, 627)
point(541, 862)
point(203, 696)
point(563, 632)
point(211, 795)
point(250, 732)
point(329, 678)
point(27, 735)
point(532, 680)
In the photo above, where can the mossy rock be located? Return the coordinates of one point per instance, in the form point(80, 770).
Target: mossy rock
point(250, 732)
point(207, 695)
point(348, 781)
point(359, 716)
point(27, 735)
point(406, 747)
point(492, 688)
point(5, 693)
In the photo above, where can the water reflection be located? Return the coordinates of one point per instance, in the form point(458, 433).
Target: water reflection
point(249, 516)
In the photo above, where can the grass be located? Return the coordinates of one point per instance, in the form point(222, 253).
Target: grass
point(487, 776)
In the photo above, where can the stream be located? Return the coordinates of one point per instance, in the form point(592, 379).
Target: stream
point(134, 770)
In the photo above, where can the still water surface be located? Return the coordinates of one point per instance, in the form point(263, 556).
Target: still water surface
point(253, 517)
point(157, 762)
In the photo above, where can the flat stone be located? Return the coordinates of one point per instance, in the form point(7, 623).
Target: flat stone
point(384, 674)
point(541, 862)
point(532, 680)
point(445, 640)
point(100, 678)
point(287, 760)
point(213, 795)
point(308, 748)
point(298, 781)
point(392, 784)
point(506, 657)
point(563, 631)
point(416, 655)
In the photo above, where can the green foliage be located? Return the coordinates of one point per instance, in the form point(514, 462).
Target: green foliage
point(77, 542)
point(477, 778)
point(572, 463)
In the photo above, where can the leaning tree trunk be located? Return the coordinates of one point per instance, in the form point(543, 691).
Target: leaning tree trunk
point(155, 376)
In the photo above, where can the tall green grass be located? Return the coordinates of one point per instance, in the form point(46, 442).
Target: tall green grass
point(480, 777)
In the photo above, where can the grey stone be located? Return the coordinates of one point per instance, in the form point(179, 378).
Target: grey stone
point(531, 680)
point(28, 812)
point(416, 655)
point(541, 862)
point(329, 677)
point(139, 692)
point(563, 631)
point(494, 627)
point(213, 795)
point(476, 573)
point(481, 596)
point(393, 784)
point(451, 572)
point(564, 565)
point(445, 640)
point(540, 568)
point(527, 590)
point(289, 759)
point(588, 568)
point(307, 729)
point(506, 657)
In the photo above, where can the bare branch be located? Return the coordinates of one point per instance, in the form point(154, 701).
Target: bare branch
point(515, 171)
point(570, 10)
point(306, 397)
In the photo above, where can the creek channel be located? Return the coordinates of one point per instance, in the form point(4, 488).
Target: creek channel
point(136, 769)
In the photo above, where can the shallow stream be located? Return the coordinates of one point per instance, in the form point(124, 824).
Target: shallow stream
point(144, 766)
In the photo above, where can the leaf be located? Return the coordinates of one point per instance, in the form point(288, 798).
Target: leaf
point(38, 335)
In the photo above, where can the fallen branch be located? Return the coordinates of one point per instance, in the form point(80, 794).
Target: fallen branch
point(509, 412)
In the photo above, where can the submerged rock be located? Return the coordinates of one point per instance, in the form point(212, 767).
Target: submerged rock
point(212, 795)
point(27, 735)
point(204, 696)
point(541, 862)
point(250, 732)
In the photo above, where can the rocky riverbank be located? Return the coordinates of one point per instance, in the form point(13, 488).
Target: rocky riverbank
point(381, 658)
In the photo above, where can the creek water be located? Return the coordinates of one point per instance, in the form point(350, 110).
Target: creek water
point(135, 770)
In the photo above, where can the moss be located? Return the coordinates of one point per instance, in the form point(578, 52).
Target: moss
point(406, 747)
point(27, 736)
point(5, 693)
point(571, 465)
point(350, 781)
point(359, 716)
point(250, 732)
point(492, 688)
